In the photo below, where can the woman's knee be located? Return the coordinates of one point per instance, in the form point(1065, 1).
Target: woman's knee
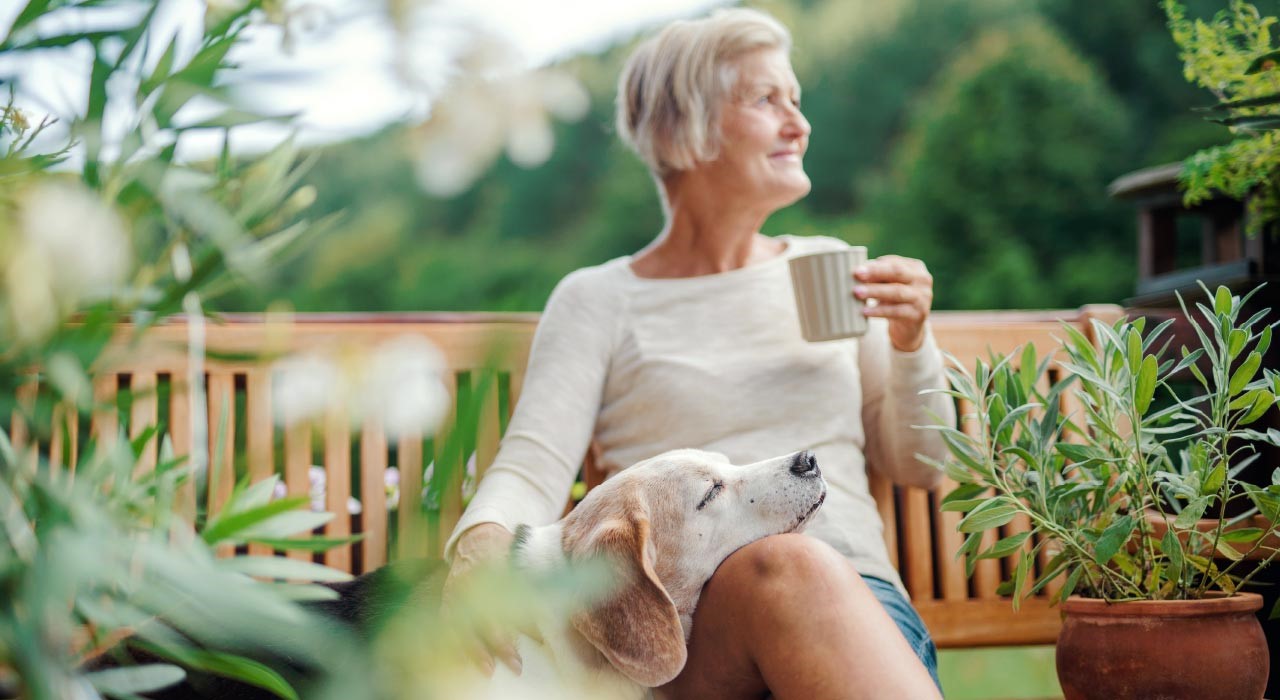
point(790, 562)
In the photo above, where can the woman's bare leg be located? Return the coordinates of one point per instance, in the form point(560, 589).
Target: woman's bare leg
point(790, 616)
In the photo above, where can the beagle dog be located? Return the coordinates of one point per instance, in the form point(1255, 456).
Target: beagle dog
point(664, 525)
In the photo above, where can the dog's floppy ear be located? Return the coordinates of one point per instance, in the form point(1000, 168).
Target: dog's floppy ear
point(637, 628)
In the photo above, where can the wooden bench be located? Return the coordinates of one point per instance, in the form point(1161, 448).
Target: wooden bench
point(922, 541)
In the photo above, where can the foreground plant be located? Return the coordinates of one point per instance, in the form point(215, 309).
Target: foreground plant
point(1096, 482)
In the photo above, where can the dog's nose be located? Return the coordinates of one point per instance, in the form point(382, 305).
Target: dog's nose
point(805, 464)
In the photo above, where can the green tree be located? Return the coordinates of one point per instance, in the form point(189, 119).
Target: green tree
point(999, 184)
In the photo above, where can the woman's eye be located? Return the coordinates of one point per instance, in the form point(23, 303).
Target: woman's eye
point(712, 493)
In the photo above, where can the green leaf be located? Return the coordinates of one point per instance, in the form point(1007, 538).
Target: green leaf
point(1116, 534)
point(1146, 385)
point(1229, 552)
point(1081, 453)
point(1222, 301)
point(310, 544)
point(1195, 371)
point(1134, 350)
point(993, 513)
point(1020, 579)
point(1244, 534)
point(282, 568)
point(1267, 504)
point(303, 592)
point(1244, 374)
point(1027, 368)
point(286, 524)
point(1073, 581)
point(1263, 402)
point(1214, 481)
point(228, 524)
point(1236, 341)
point(132, 680)
point(1172, 550)
point(1006, 546)
point(1191, 514)
point(1264, 342)
point(227, 666)
point(1244, 400)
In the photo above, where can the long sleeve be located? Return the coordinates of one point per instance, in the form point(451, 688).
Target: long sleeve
point(553, 422)
point(892, 383)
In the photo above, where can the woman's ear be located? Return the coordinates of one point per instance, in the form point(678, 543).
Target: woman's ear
point(637, 627)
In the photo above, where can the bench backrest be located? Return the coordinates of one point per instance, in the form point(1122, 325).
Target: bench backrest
point(922, 541)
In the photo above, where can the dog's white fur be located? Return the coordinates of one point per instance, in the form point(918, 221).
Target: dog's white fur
point(665, 524)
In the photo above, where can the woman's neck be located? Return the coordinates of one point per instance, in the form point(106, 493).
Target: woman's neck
point(703, 236)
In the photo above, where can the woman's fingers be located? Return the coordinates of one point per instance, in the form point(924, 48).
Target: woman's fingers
point(894, 269)
point(502, 645)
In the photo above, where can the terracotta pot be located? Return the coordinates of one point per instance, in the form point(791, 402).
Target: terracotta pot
point(1210, 649)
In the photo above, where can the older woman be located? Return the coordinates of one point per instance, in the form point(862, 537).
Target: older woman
point(694, 342)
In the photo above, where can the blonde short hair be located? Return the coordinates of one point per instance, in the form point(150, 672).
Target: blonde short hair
point(670, 90)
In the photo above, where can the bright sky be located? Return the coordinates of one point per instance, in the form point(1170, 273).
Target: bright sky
point(340, 72)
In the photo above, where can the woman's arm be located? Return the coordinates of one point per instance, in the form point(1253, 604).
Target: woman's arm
point(551, 429)
point(892, 403)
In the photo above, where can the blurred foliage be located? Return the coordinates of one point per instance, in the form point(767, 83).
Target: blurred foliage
point(1006, 204)
point(1005, 155)
point(110, 228)
point(1232, 56)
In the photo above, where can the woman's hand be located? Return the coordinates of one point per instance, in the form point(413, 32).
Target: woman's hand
point(902, 291)
point(484, 546)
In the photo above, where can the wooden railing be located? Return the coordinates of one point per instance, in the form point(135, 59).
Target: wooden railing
point(246, 439)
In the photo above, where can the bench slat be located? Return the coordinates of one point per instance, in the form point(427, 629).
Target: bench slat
point(259, 433)
point(373, 495)
point(180, 434)
point(337, 472)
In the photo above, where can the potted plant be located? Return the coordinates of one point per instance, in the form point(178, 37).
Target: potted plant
point(1115, 493)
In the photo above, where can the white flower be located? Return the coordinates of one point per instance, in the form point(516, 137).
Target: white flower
point(480, 117)
point(397, 384)
point(302, 388)
point(82, 237)
point(402, 389)
point(71, 247)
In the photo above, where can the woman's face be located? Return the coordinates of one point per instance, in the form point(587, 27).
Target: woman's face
point(763, 135)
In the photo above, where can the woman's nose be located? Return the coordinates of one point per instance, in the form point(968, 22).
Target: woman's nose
point(796, 125)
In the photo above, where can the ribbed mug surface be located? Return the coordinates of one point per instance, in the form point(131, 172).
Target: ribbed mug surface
point(823, 285)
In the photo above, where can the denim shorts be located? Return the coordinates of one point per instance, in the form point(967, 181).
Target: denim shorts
point(908, 620)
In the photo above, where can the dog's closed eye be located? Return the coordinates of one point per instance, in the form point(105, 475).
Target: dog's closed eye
point(714, 491)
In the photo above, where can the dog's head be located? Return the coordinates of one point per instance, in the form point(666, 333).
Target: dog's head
point(667, 523)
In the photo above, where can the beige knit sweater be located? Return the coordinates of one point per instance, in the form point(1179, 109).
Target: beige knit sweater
point(716, 362)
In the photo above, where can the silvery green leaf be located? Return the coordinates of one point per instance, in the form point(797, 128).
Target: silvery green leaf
point(993, 513)
point(1133, 350)
point(287, 525)
point(1006, 546)
point(1116, 534)
point(1214, 481)
point(1236, 341)
point(1191, 514)
point(1146, 384)
point(282, 568)
point(1261, 404)
point(1222, 301)
point(1027, 368)
point(135, 679)
point(1244, 534)
point(1172, 549)
point(1244, 374)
